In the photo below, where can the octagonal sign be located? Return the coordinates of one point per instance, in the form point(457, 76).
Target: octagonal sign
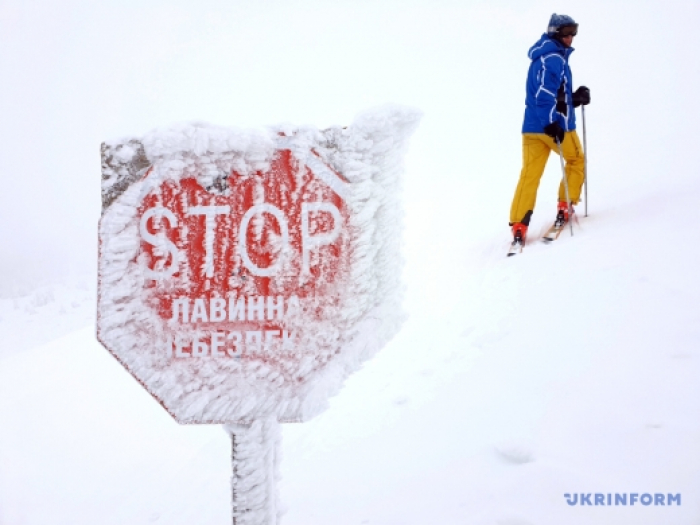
point(238, 274)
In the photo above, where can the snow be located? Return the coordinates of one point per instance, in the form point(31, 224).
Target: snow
point(571, 369)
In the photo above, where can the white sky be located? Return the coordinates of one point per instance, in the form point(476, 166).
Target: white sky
point(77, 72)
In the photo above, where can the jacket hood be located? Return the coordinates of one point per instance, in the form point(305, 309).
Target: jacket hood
point(547, 45)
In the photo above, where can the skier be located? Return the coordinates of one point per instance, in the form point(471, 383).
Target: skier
point(549, 117)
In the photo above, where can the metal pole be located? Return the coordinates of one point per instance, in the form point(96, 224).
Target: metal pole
point(566, 187)
point(235, 500)
point(585, 164)
point(255, 459)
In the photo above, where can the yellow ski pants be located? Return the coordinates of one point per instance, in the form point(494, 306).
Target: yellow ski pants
point(536, 148)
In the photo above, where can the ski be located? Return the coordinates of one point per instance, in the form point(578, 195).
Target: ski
point(516, 247)
point(553, 233)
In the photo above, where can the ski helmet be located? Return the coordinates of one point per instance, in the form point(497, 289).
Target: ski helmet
point(557, 22)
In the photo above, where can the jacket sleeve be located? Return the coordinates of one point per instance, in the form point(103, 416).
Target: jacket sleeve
point(550, 78)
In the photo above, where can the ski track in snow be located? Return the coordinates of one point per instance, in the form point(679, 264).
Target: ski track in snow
point(571, 368)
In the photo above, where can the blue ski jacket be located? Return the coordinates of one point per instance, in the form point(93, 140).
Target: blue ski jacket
point(549, 77)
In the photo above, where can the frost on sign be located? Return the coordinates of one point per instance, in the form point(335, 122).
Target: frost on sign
point(244, 274)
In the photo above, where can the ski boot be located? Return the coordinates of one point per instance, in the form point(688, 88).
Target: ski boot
point(519, 234)
point(563, 214)
point(519, 231)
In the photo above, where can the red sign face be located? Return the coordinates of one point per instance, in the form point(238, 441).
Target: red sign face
point(230, 268)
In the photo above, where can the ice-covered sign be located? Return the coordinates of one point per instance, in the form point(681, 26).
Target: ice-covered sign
point(245, 274)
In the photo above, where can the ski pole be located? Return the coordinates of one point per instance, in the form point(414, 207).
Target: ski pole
point(566, 187)
point(585, 164)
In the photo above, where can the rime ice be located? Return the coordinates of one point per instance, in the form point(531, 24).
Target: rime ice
point(245, 274)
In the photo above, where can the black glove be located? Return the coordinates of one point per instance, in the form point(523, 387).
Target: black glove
point(582, 96)
point(555, 131)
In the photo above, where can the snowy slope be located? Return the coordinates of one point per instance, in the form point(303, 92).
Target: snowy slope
point(570, 369)
point(34, 315)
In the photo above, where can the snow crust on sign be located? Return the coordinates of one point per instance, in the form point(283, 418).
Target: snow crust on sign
point(352, 309)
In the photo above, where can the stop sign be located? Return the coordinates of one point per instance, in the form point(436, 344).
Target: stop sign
point(240, 273)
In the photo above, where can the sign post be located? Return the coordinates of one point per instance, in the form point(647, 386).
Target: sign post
point(255, 468)
point(243, 275)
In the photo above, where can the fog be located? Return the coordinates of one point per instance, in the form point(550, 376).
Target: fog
point(76, 73)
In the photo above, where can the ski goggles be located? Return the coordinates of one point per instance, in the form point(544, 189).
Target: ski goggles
point(568, 31)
